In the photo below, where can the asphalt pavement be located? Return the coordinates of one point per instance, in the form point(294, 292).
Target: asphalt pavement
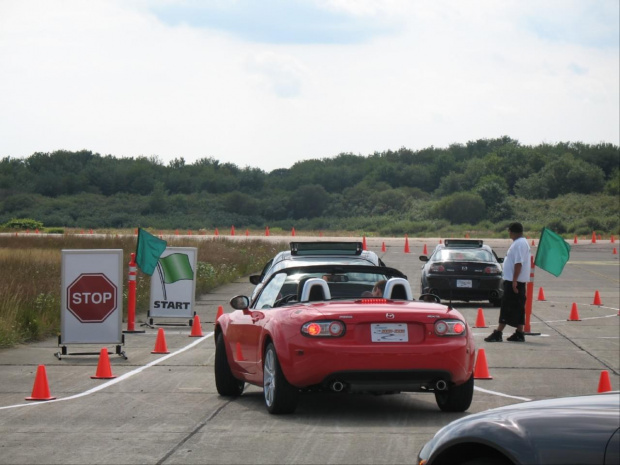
point(165, 408)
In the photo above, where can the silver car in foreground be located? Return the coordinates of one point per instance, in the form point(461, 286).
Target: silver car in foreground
point(571, 430)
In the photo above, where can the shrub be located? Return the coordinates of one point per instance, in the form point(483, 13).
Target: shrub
point(23, 224)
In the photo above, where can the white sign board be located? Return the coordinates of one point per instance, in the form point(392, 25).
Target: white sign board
point(91, 296)
point(173, 284)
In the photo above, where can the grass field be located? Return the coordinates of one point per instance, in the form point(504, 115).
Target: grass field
point(30, 280)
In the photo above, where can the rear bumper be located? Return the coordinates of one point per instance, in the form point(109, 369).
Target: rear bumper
point(482, 288)
point(391, 367)
point(407, 381)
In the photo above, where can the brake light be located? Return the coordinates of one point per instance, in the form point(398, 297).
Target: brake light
point(437, 269)
point(492, 270)
point(374, 300)
point(450, 328)
point(332, 328)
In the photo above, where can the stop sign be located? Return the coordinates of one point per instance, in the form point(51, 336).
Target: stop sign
point(91, 297)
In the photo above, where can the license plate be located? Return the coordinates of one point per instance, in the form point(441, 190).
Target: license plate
point(463, 283)
point(389, 332)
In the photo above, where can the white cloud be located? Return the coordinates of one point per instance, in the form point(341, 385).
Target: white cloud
point(114, 78)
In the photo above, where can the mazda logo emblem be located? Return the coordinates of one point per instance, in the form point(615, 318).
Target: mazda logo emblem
point(389, 316)
point(464, 268)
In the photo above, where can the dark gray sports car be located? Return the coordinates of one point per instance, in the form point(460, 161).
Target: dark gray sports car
point(571, 430)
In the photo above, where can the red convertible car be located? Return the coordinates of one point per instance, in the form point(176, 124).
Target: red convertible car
point(315, 328)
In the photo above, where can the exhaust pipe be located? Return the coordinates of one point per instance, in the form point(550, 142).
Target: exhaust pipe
point(337, 386)
point(441, 385)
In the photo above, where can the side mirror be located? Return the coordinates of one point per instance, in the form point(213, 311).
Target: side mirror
point(501, 260)
point(255, 279)
point(240, 302)
point(423, 258)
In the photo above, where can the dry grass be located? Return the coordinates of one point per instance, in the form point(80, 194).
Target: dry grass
point(30, 281)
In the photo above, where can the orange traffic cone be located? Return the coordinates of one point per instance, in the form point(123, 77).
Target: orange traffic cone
point(575, 240)
point(574, 314)
point(406, 244)
point(196, 328)
point(614, 252)
point(364, 243)
point(220, 312)
point(425, 251)
point(217, 233)
point(604, 384)
point(467, 236)
point(593, 237)
point(597, 299)
point(40, 390)
point(612, 239)
point(480, 323)
point(541, 294)
point(160, 343)
point(104, 371)
point(232, 230)
point(247, 232)
point(266, 230)
point(383, 247)
point(533, 243)
point(239, 354)
point(481, 371)
point(293, 231)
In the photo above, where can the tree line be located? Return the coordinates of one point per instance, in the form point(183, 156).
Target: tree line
point(487, 181)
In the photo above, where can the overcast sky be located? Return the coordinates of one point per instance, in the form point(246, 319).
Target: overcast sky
point(267, 83)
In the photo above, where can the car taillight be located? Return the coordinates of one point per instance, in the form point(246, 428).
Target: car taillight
point(437, 269)
point(492, 270)
point(332, 328)
point(450, 328)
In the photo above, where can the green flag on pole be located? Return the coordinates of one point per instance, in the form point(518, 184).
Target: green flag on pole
point(148, 251)
point(553, 252)
point(176, 267)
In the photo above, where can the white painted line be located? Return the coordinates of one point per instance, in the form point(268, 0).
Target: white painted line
point(495, 393)
point(115, 380)
point(583, 319)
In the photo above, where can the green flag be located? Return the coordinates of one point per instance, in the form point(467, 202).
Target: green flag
point(176, 267)
point(553, 252)
point(148, 251)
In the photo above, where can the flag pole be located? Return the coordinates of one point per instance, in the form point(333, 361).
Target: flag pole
point(529, 296)
point(161, 278)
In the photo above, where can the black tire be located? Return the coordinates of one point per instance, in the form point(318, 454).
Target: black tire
point(227, 385)
point(280, 396)
point(456, 399)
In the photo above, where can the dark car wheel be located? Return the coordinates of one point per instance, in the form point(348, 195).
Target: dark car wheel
point(280, 396)
point(458, 398)
point(226, 384)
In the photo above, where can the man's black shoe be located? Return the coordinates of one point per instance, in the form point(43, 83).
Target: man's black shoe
point(518, 336)
point(495, 337)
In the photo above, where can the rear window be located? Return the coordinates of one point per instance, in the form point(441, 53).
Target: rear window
point(468, 255)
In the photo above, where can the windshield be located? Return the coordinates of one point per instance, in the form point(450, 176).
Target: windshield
point(283, 288)
point(451, 255)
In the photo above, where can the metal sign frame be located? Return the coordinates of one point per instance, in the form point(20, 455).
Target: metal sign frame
point(74, 264)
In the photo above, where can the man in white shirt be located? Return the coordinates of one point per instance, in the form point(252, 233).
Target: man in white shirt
point(516, 274)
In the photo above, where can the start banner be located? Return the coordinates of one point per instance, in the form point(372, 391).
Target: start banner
point(173, 284)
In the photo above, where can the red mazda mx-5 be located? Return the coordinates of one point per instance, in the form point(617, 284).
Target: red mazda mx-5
point(321, 327)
